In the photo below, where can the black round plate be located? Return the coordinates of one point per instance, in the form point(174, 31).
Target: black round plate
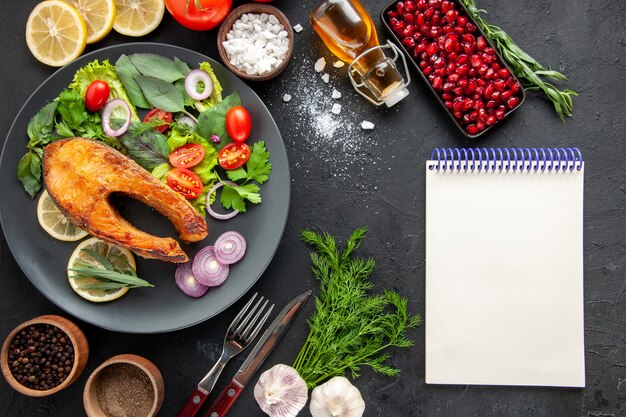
point(164, 307)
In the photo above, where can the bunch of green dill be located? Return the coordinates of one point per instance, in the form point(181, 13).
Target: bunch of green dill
point(350, 328)
point(525, 67)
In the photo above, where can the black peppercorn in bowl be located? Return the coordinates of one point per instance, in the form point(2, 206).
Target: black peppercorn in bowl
point(44, 355)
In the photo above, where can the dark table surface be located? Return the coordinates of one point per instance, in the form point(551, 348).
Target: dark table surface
point(344, 178)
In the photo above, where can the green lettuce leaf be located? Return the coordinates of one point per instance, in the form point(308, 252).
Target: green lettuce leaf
point(216, 95)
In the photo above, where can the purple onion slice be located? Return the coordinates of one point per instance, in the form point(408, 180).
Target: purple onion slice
point(207, 269)
point(195, 78)
point(229, 247)
point(187, 282)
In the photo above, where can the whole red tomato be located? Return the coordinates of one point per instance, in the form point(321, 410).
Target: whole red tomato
point(199, 14)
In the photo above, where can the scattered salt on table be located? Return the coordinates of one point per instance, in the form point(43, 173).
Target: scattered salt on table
point(326, 78)
point(257, 43)
point(336, 108)
point(365, 125)
point(287, 98)
point(298, 28)
point(336, 94)
point(320, 64)
point(339, 64)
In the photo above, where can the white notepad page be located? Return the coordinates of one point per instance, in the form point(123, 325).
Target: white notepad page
point(504, 278)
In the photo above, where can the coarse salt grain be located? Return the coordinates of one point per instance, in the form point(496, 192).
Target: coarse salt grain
point(320, 64)
point(336, 108)
point(257, 43)
point(298, 28)
point(339, 64)
point(326, 78)
point(365, 125)
point(336, 94)
point(287, 98)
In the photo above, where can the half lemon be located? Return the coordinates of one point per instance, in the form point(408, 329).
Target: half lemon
point(99, 16)
point(138, 17)
point(55, 222)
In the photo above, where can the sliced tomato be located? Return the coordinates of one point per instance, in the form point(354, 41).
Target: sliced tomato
point(199, 14)
point(187, 156)
point(186, 182)
point(238, 123)
point(233, 155)
point(165, 116)
point(97, 95)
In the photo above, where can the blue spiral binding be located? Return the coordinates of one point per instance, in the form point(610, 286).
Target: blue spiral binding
point(507, 159)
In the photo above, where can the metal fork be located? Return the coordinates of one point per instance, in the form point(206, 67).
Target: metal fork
point(241, 332)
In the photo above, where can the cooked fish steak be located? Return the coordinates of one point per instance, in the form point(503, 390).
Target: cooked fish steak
point(80, 175)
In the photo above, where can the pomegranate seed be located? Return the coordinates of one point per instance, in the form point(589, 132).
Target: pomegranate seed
point(483, 69)
point(432, 49)
point(459, 30)
point(435, 3)
point(447, 28)
point(496, 95)
point(506, 95)
point(440, 62)
point(445, 6)
point(457, 91)
point(422, 5)
point(457, 114)
point(480, 125)
point(469, 38)
point(470, 27)
point(436, 18)
point(450, 68)
point(499, 84)
point(490, 51)
point(420, 48)
point(487, 58)
point(489, 74)
point(440, 72)
point(495, 66)
point(435, 31)
point(448, 104)
point(476, 61)
point(454, 77)
point(490, 120)
point(408, 30)
point(466, 119)
point(409, 42)
point(480, 90)
point(499, 114)
point(461, 20)
point(452, 57)
point(448, 86)
point(441, 42)
point(481, 43)
point(393, 13)
point(428, 70)
point(482, 114)
point(462, 69)
point(471, 86)
point(491, 104)
point(468, 49)
point(408, 17)
point(467, 103)
point(471, 72)
point(473, 116)
point(419, 19)
point(431, 78)
point(450, 43)
point(462, 83)
point(437, 83)
point(409, 6)
point(424, 56)
point(515, 88)
point(457, 104)
point(462, 59)
point(446, 96)
point(503, 73)
point(512, 102)
point(489, 91)
point(429, 13)
point(452, 15)
point(418, 37)
point(471, 129)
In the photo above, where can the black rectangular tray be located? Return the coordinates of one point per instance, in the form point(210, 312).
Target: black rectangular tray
point(502, 62)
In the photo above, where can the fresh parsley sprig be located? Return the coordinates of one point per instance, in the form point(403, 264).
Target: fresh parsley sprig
point(350, 328)
point(525, 67)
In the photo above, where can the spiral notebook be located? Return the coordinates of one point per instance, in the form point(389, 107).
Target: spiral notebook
point(504, 267)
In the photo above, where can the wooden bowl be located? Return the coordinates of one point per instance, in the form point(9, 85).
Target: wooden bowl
point(256, 8)
point(90, 400)
point(79, 343)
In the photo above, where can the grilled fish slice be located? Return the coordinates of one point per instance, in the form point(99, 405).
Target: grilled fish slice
point(81, 174)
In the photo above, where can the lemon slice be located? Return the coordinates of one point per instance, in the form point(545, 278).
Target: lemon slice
point(54, 221)
point(55, 33)
point(117, 255)
point(98, 15)
point(138, 17)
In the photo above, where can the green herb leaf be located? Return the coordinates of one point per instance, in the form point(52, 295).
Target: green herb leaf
point(234, 196)
point(127, 73)
point(158, 66)
point(259, 166)
point(237, 174)
point(29, 173)
point(350, 327)
point(161, 94)
point(148, 149)
point(40, 127)
point(213, 120)
point(89, 271)
point(181, 66)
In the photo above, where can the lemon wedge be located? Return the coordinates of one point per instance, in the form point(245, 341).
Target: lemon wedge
point(118, 256)
point(55, 33)
point(138, 17)
point(54, 221)
point(99, 16)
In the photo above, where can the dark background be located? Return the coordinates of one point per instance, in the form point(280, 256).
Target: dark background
point(344, 178)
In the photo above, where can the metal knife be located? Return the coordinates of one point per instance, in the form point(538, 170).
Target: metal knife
point(255, 359)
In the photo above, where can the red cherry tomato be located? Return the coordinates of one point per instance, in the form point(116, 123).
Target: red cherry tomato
point(238, 124)
point(199, 14)
point(187, 156)
point(97, 95)
point(185, 182)
point(233, 155)
point(165, 116)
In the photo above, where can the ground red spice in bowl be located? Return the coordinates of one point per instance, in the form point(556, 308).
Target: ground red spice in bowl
point(41, 356)
point(124, 390)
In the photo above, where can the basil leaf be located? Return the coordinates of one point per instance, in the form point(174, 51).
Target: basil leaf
point(149, 149)
point(212, 121)
point(29, 173)
point(127, 73)
point(41, 126)
point(161, 94)
point(181, 65)
point(158, 67)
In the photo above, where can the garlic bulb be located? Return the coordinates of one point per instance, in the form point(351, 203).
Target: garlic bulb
point(337, 398)
point(281, 391)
